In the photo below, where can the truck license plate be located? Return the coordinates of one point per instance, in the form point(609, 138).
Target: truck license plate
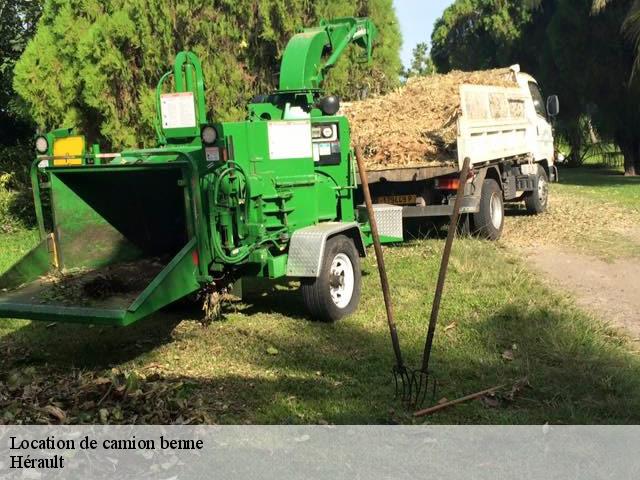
point(398, 199)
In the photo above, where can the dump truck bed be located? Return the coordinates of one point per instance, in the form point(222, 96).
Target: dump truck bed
point(493, 124)
point(411, 174)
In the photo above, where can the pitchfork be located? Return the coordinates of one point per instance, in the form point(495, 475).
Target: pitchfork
point(400, 373)
point(421, 378)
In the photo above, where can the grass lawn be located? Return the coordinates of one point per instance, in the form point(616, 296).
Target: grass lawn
point(602, 184)
point(266, 363)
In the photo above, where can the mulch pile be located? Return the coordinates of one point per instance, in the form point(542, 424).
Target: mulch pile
point(415, 125)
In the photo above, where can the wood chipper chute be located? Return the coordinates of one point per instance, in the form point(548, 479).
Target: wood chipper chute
point(123, 235)
point(122, 244)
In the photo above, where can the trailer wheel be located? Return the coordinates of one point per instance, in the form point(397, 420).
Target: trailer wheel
point(489, 221)
point(537, 201)
point(336, 292)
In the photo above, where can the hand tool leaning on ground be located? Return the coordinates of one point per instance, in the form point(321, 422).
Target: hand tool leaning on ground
point(420, 378)
point(400, 372)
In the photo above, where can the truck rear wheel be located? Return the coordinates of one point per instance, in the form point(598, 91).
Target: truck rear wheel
point(537, 201)
point(335, 293)
point(489, 221)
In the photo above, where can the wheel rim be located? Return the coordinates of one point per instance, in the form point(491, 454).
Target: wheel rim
point(342, 280)
point(543, 190)
point(496, 211)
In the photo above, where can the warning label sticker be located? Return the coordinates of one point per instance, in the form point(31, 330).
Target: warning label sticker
point(178, 110)
point(289, 140)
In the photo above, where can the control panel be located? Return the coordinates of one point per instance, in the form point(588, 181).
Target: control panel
point(326, 143)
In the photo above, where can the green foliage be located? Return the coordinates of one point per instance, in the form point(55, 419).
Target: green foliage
point(15, 195)
point(593, 81)
point(421, 63)
point(17, 25)
point(95, 64)
point(478, 34)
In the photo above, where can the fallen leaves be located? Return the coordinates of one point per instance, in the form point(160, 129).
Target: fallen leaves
point(508, 355)
point(498, 399)
point(574, 221)
point(55, 412)
point(112, 397)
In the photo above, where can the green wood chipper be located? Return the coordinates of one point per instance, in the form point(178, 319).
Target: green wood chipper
point(125, 234)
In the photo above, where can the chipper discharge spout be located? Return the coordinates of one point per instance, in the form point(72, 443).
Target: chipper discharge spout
point(271, 196)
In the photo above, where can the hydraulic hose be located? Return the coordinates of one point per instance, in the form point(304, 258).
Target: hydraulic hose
point(245, 251)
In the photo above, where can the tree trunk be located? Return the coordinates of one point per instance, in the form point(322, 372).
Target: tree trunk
point(592, 133)
point(631, 153)
point(575, 144)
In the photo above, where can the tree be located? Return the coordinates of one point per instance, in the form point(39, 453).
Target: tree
point(478, 34)
point(421, 63)
point(95, 64)
point(17, 25)
point(591, 60)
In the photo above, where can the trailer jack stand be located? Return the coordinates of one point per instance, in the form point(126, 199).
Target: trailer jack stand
point(213, 296)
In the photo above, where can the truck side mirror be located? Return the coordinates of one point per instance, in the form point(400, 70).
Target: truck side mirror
point(553, 106)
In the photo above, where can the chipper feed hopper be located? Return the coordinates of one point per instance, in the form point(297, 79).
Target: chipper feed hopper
point(123, 235)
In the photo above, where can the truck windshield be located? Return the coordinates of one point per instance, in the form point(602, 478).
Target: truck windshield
point(538, 100)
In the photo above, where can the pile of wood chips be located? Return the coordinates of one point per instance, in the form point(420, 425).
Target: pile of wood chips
point(415, 125)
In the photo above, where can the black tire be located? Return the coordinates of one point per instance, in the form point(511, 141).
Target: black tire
point(317, 292)
point(489, 221)
point(538, 200)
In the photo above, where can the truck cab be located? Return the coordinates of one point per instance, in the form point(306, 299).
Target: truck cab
point(541, 112)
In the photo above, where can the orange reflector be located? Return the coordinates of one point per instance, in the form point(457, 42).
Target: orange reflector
point(447, 183)
point(68, 151)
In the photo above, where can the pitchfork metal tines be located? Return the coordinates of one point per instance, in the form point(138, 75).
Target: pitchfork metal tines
point(402, 382)
point(421, 383)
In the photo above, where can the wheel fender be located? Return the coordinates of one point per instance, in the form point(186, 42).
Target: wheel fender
point(306, 249)
point(481, 175)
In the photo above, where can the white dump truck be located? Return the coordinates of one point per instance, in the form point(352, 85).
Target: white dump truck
point(508, 136)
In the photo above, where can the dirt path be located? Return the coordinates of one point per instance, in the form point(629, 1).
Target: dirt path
point(588, 249)
point(607, 288)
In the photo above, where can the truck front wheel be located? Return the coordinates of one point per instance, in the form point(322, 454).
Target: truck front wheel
point(537, 201)
point(489, 221)
point(335, 293)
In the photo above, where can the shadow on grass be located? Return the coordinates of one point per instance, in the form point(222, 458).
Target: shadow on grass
point(596, 177)
point(83, 346)
point(340, 373)
point(579, 371)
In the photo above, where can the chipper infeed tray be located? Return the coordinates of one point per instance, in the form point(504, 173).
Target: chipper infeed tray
point(122, 246)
